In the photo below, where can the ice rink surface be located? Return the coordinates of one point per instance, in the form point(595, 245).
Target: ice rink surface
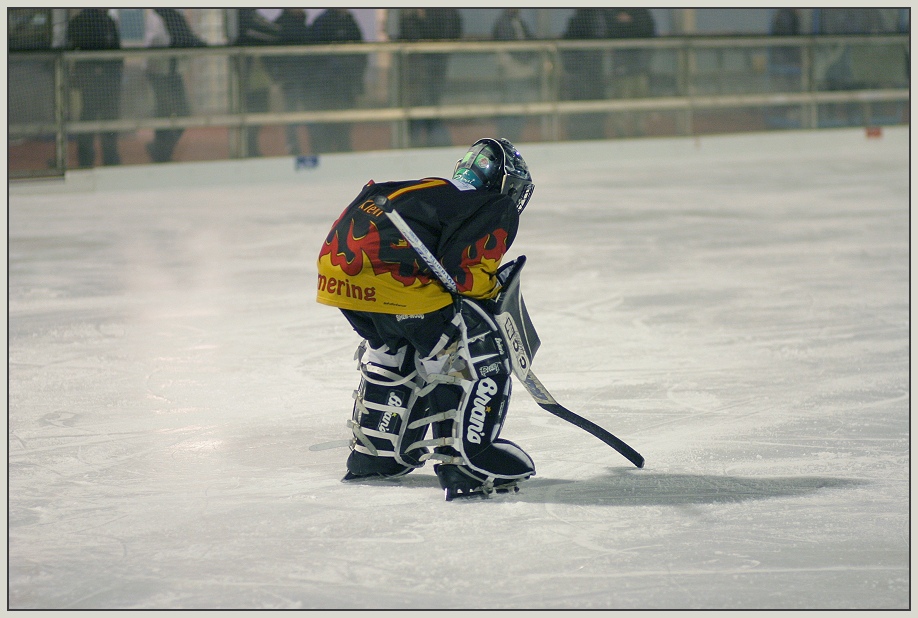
point(736, 308)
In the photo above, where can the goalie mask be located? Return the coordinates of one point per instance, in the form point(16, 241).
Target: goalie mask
point(496, 165)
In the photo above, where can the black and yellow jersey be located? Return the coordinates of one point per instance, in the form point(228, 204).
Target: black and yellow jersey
point(366, 265)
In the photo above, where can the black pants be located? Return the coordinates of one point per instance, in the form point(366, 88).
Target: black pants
point(422, 332)
point(171, 100)
point(101, 104)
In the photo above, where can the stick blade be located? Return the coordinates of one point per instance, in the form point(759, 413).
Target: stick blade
point(590, 427)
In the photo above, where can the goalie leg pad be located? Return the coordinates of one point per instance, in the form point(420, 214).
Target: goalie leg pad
point(385, 404)
point(478, 396)
point(478, 426)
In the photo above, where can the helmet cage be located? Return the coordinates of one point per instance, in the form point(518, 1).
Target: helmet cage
point(496, 165)
point(517, 189)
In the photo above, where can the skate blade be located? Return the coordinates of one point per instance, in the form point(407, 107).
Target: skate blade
point(452, 494)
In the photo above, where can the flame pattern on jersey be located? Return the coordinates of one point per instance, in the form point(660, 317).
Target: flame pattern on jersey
point(364, 250)
point(365, 264)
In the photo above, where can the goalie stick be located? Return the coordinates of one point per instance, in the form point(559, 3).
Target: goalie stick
point(523, 341)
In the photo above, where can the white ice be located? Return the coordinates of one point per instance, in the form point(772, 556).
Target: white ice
point(735, 307)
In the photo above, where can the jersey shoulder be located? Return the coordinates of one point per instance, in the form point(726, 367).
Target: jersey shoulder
point(448, 197)
point(394, 189)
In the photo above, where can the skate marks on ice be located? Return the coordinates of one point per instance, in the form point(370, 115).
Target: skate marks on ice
point(743, 323)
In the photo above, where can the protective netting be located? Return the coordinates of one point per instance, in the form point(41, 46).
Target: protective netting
point(156, 85)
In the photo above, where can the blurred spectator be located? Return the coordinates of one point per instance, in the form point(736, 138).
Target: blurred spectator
point(518, 71)
point(786, 22)
point(847, 21)
point(339, 77)
point(98, 82)
point(31, 80)
point(840, 74)
point(255, 29)
point(583, 72)
point(425, 74)
point(295, 74)
point(28, 29)
point(847, 67)
point(630, 67)
point(784, 67)
point(167, 28)
point(785, 61)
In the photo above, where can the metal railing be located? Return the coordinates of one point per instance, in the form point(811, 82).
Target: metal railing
point(804, 79)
